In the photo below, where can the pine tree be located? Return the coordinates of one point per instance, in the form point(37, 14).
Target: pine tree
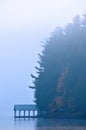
point(61, 82)
point(48, 72)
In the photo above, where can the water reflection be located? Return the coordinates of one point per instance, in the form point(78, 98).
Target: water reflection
point(49, 124)
point(60, 124)
point(25, 123)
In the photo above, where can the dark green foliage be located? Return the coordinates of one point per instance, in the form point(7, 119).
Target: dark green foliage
point(61, 82)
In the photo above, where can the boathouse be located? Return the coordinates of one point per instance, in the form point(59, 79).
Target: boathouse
point(20, 111)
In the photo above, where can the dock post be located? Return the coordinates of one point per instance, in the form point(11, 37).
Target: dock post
point(28, 113)
point(33, 113)
point(14, 113)
point(19, 113)
point(24, 113)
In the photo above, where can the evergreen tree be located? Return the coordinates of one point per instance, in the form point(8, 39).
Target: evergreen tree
point(61, 82)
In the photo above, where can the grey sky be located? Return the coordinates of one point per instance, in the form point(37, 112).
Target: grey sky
point(23, 24)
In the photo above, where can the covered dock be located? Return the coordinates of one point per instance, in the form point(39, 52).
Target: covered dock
point(25, 111)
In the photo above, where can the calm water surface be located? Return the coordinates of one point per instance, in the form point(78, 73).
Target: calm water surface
point(42, 124)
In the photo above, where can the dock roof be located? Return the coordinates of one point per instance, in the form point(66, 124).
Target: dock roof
point(25, 107)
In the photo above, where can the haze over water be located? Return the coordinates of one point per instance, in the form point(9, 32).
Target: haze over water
point(23, 24)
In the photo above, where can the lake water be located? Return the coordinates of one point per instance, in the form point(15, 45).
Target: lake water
point(8, 123)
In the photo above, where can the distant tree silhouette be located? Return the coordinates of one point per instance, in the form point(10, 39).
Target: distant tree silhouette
point(60, 85)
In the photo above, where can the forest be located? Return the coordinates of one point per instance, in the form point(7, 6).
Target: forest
point(60, 84)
